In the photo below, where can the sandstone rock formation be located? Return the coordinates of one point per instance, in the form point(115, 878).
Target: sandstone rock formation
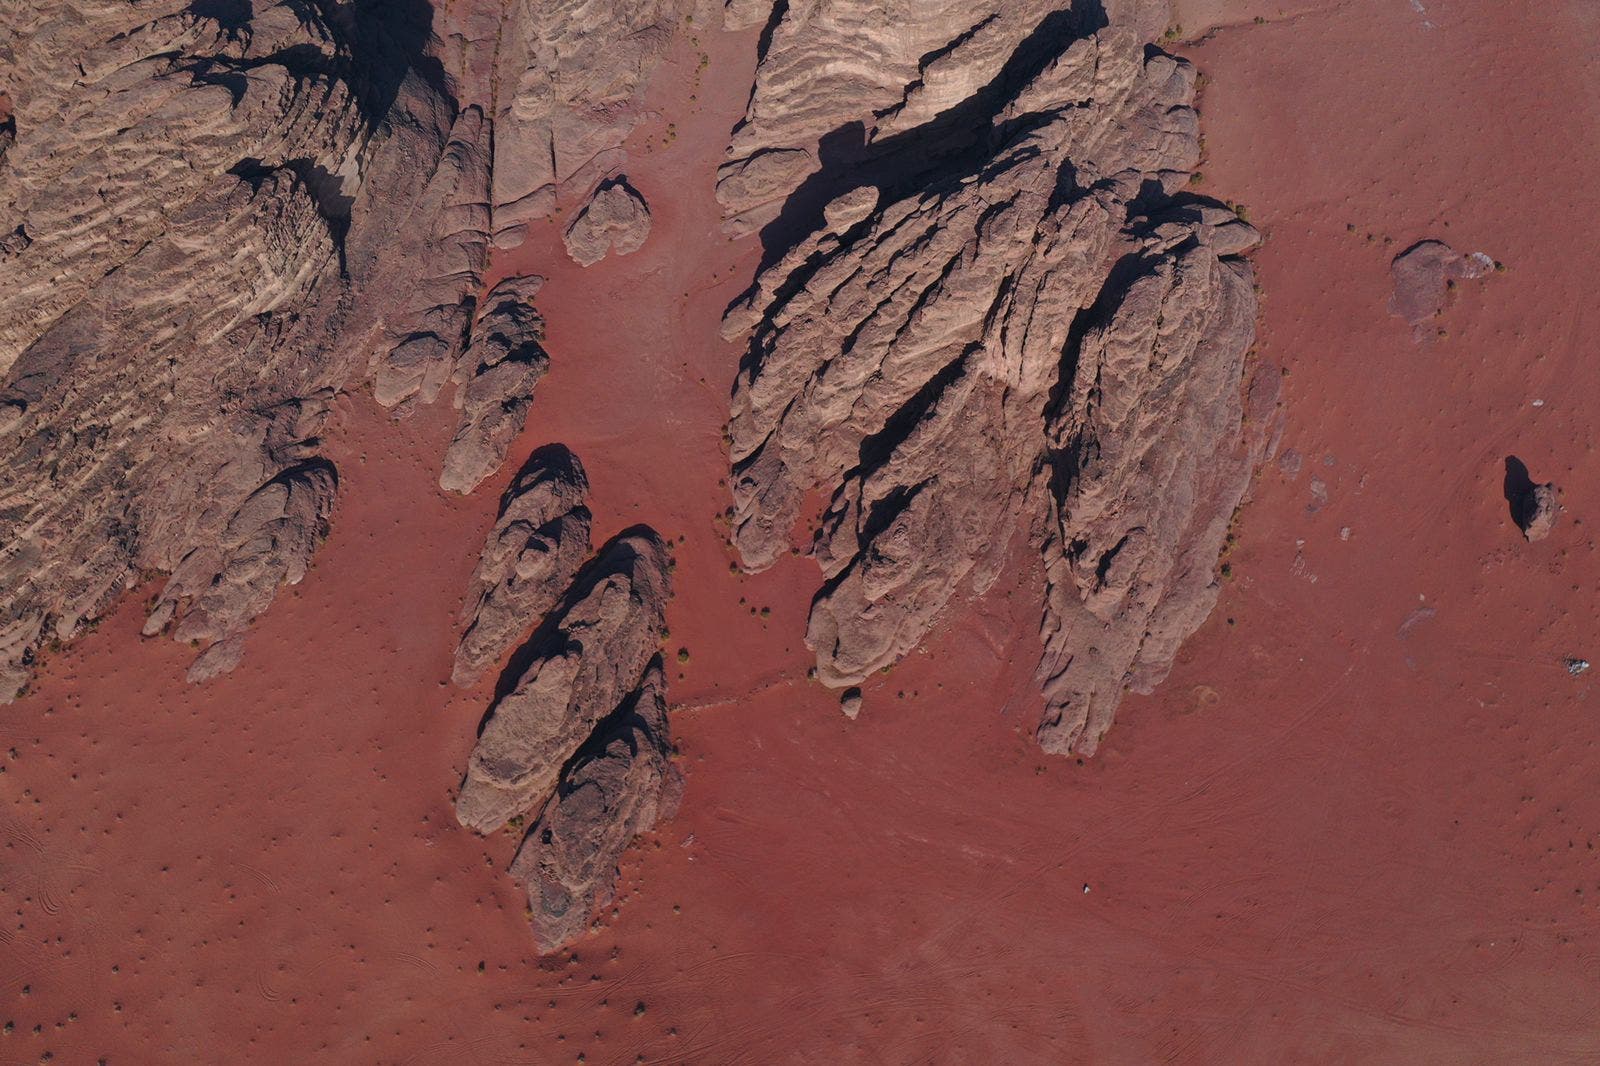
point(200, 197)
point(538, 543)
point(614, 220)
point(579, 738)
point(215, 218)
point(504, 360)
point(1537, 510)
point(619, 784)
point(999, 313)
point(585, 660)
point(1423, 275)
point(567, 78)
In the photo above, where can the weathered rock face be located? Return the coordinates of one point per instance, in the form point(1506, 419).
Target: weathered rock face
point(200, 196)
point(585, 660)
point(614, 220)
point(503, 362)
point(1423, 275)
point(1003, 316)
point(619, 784)
point(214, 218)
point(579, 737)
point(840, 80)
point(1536, 511)
point(567, 78)
point(536, 547)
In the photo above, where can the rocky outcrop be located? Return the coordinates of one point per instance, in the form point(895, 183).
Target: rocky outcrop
point(503, 362)
point(840, 80)
point(1423, 275)
point(216, 217)
point(579, 737)
point(997, 313)
point(619, 784)
point(207, 201)
point(586, 659)
point(266, 543)
point(538, 543)
point(1536, 511)
point(1147, 465)
point(614, 220)
point(568, 76)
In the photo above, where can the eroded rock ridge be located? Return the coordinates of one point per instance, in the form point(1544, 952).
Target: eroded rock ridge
point(217, 218)
point(577, 738)
point(992, 309)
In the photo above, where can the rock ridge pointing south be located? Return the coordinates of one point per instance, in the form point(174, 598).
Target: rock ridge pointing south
point(578, 736)
point(1007, 320)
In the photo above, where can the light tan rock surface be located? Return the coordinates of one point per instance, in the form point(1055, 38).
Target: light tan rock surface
point(1024, 327)
point(201, 202)
point(615, 220)
point(1537, 511)
point(504, 360)
point(537, 544)
point(568, 75)
point(620, 783)
point(215, 218)
point(585, 660)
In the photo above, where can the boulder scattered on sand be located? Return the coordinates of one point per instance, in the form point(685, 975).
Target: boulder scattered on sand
point(1536, 511)
point(1423, 275)
point(615, 219)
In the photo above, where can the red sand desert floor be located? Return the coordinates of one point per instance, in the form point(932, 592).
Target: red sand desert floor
point(1357, 824)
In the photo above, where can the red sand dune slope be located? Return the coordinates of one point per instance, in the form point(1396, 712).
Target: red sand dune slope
point(1357, 824)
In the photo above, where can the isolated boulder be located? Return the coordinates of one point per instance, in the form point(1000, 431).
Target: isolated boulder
point(1537, 511)
point(1423, 274)
point(614, 220)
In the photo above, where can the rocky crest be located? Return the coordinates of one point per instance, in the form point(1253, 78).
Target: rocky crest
point(991, 308)
point(619, 784)
point(202, 197)
point(536, 547)
point(216, 218)
point(503, 361)
point(579, 736)
point(615, 220)
point(585, 660)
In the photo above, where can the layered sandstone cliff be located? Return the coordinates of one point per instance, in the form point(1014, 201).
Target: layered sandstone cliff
point(991, 310)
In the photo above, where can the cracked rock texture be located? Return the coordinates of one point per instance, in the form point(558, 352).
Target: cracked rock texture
point(614, 220)
point(619, 784)
point(535, 548)
point(567, 75)
point(215, 218)
point(991, 311)
point(504, 360)
point(586, 658)
point(202, 197)
point(579, 735)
